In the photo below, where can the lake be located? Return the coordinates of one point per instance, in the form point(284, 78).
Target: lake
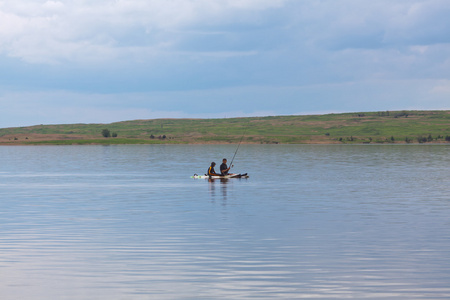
point(312, 221)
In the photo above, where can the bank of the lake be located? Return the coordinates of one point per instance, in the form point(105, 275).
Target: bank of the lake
point(348, 128)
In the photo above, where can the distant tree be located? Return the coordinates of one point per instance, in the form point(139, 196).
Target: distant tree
point(164, 136)
point(447, 138)
point(392, 139)
point(114, 134)
point(429, 138)
point(421, 139)
point(106, 133)
point(402, 114)
point(152, 136)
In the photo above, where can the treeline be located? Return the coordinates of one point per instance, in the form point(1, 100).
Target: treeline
point(107, 133)
point(387, 114)
point(428, 139)
point(161, 137)
point(392, 139)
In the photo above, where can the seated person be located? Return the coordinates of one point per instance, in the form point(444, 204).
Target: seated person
point(224, 168)
point(211, 171)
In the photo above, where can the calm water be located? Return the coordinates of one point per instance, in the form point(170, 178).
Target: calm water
point(128, 222)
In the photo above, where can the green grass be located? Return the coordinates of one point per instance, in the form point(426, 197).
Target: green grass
point(112, 141)
point(360, 127)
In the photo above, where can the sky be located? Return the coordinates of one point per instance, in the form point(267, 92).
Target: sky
point(80, 61)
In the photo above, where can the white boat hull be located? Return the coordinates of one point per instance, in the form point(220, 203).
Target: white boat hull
point(220, 177)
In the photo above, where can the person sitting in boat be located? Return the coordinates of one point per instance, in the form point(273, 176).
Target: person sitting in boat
point(224, 168)
point(211, 171)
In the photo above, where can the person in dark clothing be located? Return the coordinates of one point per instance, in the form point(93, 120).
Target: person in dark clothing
point(211, 171)
point(224, 168)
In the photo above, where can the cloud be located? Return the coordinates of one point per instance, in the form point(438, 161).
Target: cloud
point(347, 24)
point(88, 32)
point(441, 90)
point(57, 107)
point(152, 57)
point(117, 36)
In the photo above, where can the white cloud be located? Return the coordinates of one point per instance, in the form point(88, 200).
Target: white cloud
point(80, 31)
point(373, 24)
point(280, 56)
point(129, 32)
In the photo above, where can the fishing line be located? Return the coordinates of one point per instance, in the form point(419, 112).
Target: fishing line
point(231, 164)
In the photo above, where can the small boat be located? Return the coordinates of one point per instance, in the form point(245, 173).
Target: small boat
point(245, 175)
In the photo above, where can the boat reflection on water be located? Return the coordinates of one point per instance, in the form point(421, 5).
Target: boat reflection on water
point(222, 180)
point(221, 183)
point(213, 183)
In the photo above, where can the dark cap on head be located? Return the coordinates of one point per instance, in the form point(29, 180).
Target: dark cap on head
point(213, 164)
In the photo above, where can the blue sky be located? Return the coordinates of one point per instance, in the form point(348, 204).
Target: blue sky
point(79, 61)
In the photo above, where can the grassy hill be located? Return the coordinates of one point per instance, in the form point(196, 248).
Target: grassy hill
point(364, 127)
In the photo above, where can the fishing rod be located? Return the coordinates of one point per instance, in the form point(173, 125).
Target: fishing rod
point(231, 164)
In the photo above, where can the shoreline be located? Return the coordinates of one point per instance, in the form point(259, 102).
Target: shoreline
point(384, 127)
point(87, 142)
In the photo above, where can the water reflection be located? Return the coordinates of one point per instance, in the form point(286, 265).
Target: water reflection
point(221, 184)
